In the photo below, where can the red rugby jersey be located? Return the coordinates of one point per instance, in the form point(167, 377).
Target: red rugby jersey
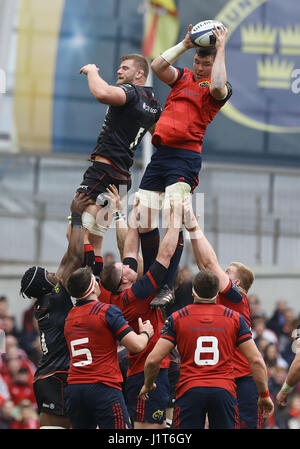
point(229, 298)
point(188, 110)
point(92, 331)
point(206, 336)
point(134, 303)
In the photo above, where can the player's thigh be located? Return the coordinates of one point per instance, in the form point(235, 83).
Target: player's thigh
point(150, 204)
point(111, 410)
point(154, 409)
point(222, 409)
point(247, 397)
point(80, 406)
point(190, 409)
point(50, 395)
point(96, 180)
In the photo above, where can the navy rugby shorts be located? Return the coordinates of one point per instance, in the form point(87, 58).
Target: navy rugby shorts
point(171, 165)
point(98, 177)
point(152, 410)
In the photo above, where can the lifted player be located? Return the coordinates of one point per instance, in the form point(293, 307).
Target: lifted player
point(196, 97)
point(132, 111)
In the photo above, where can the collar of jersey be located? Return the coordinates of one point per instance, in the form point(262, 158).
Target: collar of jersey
point(82, 302)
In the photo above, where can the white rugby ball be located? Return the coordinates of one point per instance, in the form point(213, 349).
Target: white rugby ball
point(201, 34)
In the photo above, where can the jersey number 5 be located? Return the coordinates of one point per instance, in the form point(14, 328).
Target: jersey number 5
point(84, 351)
point(210, 347)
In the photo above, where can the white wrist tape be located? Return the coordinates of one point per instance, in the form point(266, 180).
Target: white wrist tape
point(286, 388)
point(173, 53)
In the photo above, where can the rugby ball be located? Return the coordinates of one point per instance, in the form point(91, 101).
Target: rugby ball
point(201, 34)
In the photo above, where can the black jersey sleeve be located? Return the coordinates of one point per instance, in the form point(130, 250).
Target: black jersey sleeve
point(131, 92)
point(150, 282)
point(229, 89)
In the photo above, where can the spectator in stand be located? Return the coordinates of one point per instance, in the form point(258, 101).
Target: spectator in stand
point(289, 349)
point(7, 416)
point(30, 336)
point(3, 306)
point(260, 331)
point(21, 387)
point(277, 376)
point(8, 324)
point(109, 258)
point(277, 320)
point(289, 326)
point(293, 415)
point(255, 306)
point(27, 418)
point(273, 358)
point(12, 363)
point(4, 392)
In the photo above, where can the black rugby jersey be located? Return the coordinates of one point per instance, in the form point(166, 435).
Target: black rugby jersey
point(125, 126)
point(51, 311)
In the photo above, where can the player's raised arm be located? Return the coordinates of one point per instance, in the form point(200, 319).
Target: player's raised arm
point(218, 87)
point(162, 65)
point(204, 253)
point(73, 258)
point(169, 243)
point(100, 89)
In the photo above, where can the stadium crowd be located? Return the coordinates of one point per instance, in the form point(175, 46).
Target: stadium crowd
point(274, 336)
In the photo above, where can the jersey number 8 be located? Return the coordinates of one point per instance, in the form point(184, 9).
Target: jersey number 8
point(211, 349)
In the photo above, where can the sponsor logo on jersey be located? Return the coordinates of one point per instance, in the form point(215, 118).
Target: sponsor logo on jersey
point(149, 109)
point(57, 288)
point(204, 84)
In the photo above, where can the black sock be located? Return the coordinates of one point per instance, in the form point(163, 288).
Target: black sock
point(149, 246)
point(89, 255)
point(174, 263)
point(98, 265)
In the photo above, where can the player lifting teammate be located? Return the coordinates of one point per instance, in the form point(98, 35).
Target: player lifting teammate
point(52, 305)
point(234, 285)
point(206, 335)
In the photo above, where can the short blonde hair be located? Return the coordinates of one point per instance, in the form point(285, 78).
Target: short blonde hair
point(245, 274)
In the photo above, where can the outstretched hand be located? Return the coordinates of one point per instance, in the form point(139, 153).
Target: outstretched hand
point(187, 41)
point(89, 68)
point(80, 202)
point(220, 34)
point(145, 390)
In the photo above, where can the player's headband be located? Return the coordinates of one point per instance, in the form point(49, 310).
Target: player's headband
point(89, 289)
point(203, 299)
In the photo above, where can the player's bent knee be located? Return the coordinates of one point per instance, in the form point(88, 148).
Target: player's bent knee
point(178, 191)
point(88, 220)
point(150, 199)
point(99, 230)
